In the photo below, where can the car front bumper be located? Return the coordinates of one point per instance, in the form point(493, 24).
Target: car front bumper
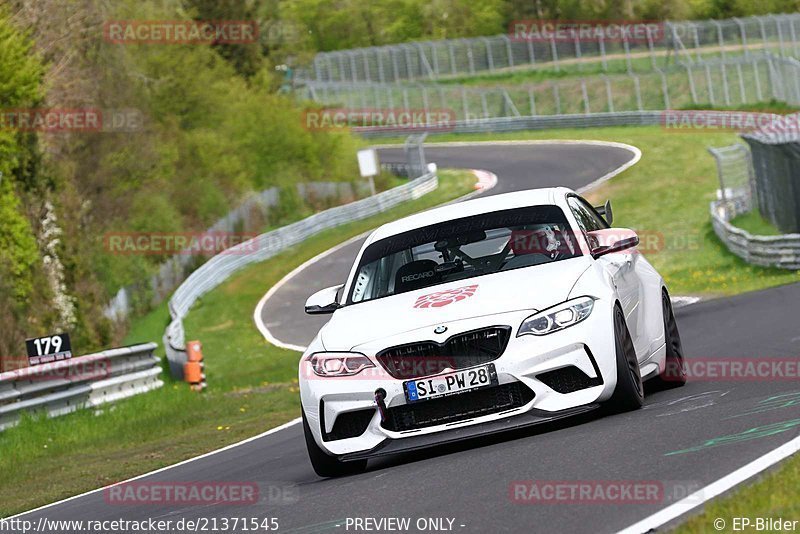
point(587, 346)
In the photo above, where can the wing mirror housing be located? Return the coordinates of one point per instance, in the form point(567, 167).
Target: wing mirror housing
point(606, 212)
point(324, 301)
point(611, 240)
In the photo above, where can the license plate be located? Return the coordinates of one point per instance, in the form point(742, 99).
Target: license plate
point(451, 383)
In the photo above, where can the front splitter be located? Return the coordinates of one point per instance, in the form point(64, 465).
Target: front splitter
point(424, 441)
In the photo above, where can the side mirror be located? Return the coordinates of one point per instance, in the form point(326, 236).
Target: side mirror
point(606, 212)
point(611, 240)
point(324, 301)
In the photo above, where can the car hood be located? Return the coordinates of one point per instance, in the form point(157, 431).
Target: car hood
point(528, 288)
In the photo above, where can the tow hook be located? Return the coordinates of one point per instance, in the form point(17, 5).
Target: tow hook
point(380, 395)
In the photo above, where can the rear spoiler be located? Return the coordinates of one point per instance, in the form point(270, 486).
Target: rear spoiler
point(606, 212)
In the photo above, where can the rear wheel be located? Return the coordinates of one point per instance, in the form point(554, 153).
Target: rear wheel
point(674, 373)
point(629, 393)
point(324, 464)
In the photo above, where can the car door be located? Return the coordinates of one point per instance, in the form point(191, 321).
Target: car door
point(621, 267)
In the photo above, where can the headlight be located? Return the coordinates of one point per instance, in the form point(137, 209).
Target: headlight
point(558, 317)
point(338, 363)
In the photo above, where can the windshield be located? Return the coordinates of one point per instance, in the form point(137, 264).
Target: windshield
point(463, 248)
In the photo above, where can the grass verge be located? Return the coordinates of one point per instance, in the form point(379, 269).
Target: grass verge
point(754, 223)
point(252, 387)
point(773, 496)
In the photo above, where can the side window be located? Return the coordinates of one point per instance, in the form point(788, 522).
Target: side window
point(587, 217)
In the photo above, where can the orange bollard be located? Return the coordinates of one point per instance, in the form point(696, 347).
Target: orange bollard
point(193, 369)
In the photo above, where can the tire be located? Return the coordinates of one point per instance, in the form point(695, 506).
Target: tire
point(674, 373)
point(629, 392)
point(326, 465)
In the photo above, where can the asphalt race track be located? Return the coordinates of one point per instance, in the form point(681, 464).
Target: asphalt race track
point(673, 441)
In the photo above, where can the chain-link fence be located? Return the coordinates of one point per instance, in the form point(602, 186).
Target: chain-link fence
point(667, 44)
point(735, 173)
point(741, 190)
point(776, 162)
point(730, 82)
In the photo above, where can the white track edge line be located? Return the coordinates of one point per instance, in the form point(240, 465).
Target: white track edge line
point(165, 468)
point(714, 489)
point(294, 272)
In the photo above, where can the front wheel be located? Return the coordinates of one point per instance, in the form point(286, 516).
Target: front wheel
point(674, 373)
point(629, 393)
point(324, 464)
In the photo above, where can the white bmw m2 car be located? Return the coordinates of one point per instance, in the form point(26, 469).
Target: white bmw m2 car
point(483, 316)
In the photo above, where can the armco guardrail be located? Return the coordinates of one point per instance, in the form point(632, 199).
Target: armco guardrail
point(81, 382)
point(220, 267)
point(511, 124)
point(781, 251)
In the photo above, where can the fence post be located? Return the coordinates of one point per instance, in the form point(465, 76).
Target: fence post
point(710, 85)
point(609, 96)
point(743, 35)
point(434, 57)
point(367, 66)
point(557, 98)
point(510, 52)
point(489, 58)
point(531, 54)
point(627, 48)
point(470, 57)
point(638, 90)
point(395, 66)
point(720, 38)
point(692, 87)
point(452, 55)
point(585, 95)
point(603, 59)
point(742, 93)
point(664, 89)
point(651, 48)
point(780, 34)
point(379, 58)
point(554, 51)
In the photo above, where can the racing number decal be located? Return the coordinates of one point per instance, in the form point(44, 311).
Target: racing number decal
point(443, 298)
